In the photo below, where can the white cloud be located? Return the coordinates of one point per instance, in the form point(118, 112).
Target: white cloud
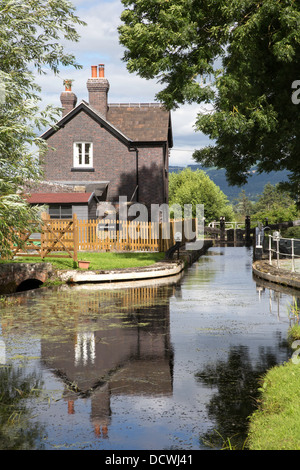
point(181, 157)
point(100, 38)
point(186, 139)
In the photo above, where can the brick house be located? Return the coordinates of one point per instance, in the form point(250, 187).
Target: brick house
point(110, 150)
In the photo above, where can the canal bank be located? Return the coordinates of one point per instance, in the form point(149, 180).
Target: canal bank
point(157, 270)
point(263, 270)
point(18, 276)
point(180, 259)
point(275, 423)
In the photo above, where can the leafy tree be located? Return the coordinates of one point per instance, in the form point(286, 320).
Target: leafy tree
point(242, 56)
point(275, 205)
point(195, 187)
point(273, 196)
point(243, 206)
point(31, 36)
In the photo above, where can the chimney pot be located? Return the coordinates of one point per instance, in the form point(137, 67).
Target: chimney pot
point(68, 98)
point(68, 85)
point(101, 70)
point(94, 71)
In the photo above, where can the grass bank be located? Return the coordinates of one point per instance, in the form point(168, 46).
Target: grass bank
point(276, 423)
point(100, 261)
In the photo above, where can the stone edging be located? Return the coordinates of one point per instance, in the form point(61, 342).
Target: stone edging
point(154, 271)
point(263, 270)
point(161, 269)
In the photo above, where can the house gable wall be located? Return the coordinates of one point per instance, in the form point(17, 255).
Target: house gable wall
point(112, 161)
point(111, 158)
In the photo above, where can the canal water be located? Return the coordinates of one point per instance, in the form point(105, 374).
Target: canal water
point(158, 365)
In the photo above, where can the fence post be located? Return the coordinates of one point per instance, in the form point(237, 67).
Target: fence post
point(44, 233)
point(247, 228)
point(172, 240)
point(293, 256)
point(277, 251)
point(75, 237)
point(160, 244)
point(222, 228)
point(270, 249)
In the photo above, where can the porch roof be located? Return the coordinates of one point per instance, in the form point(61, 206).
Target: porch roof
point(60, 198)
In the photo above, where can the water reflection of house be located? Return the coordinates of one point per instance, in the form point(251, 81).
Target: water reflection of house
point(123, 350)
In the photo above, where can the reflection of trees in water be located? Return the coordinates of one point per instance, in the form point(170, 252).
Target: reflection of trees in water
point(237, 381)
point(16, 430)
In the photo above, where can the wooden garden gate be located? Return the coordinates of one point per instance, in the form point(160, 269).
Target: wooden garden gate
point(51, 236)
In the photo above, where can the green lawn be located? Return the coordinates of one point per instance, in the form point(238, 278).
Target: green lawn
point(109, 260)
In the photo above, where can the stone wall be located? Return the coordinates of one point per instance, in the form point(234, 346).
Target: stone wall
point(13, 274)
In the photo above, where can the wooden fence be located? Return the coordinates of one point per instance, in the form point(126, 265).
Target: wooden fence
point(71, 235)
point(115, 235)
point(118, 235)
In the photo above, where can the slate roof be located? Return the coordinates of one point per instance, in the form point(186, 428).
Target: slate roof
point(84, 106)
point(142, 122)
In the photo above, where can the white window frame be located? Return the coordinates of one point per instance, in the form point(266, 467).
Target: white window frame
point(76, 155)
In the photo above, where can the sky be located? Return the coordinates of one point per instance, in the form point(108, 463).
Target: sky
point(99, 43)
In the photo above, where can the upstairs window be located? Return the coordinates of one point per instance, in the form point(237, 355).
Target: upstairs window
point(83, 155)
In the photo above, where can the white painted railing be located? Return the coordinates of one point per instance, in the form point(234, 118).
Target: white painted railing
point(274, 250)
point(228, 225)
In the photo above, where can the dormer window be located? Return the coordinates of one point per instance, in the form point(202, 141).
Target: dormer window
point(83, 155)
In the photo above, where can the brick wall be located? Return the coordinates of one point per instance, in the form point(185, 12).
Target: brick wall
point(151, 176)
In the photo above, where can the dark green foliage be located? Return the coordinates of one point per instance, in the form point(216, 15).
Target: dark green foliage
point(256, 46)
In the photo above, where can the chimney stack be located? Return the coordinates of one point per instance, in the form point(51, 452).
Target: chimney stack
point(68, 98)
point(98, 87)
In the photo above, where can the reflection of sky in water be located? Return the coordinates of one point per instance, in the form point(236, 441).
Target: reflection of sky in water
point(135, 355)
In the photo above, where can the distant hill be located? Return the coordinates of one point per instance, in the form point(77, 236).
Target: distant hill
point(252, 189)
